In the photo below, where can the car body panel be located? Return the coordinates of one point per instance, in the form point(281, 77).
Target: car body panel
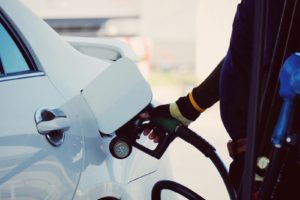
point(120, 84)
point(30, 166)
point(103, 175)
point(55, 57)
point(112, 49)
point(82, 167)
point(102, 48)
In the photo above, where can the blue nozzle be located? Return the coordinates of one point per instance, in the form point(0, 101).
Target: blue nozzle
point(289, 89)
point(290, 77)
point(282, 123)
point(295, 81)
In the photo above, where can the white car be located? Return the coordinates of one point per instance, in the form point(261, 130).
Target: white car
point(113, 49)
point(59, 112)
point(102, 48)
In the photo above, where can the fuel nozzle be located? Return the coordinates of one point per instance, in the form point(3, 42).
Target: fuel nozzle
point(129, 134)
point(168, 129)
point(121, 146)
point(289, 90)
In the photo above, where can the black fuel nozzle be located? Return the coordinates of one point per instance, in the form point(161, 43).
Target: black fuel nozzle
point(129, 134)
point(126, 136)
point(166, 130)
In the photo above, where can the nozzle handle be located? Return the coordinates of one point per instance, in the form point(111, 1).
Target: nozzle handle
point(280, 130)
point(167, 124)
point(158, 152)
point(166, 128)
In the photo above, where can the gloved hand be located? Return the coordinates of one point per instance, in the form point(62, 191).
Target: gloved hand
point(170, 111)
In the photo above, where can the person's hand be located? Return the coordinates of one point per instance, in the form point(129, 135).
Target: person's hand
point(166, 111)
point(159, 111)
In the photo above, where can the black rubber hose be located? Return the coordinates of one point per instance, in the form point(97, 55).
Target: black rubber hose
point(270, 179)
point(173, 186)
point(209, 151)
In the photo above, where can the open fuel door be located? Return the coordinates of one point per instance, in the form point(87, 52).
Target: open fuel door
point(117, 95)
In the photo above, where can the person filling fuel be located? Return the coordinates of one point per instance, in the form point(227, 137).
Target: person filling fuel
point(229, 83)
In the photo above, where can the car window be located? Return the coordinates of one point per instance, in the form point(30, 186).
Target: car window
point(11, 59)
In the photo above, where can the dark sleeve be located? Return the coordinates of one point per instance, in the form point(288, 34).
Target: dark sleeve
point(205, 95)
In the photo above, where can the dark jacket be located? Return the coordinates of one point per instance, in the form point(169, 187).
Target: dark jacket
point(230, 81)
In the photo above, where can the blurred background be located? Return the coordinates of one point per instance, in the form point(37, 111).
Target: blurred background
point(178, 42)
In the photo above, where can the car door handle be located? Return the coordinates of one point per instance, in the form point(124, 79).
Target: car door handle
point(52, 122)
point(56, 124)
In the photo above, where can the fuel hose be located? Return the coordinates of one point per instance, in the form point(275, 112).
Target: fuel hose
point(174, 127)
point(176, 187)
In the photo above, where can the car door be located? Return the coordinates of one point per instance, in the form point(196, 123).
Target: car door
point(40, 141)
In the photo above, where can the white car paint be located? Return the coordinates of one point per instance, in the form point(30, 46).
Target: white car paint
point(124, 93)
point(63, 59)
point(81, 167)
point(30, 167)
point(102, 48)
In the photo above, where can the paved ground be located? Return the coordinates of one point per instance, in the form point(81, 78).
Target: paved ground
point(189, 166)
